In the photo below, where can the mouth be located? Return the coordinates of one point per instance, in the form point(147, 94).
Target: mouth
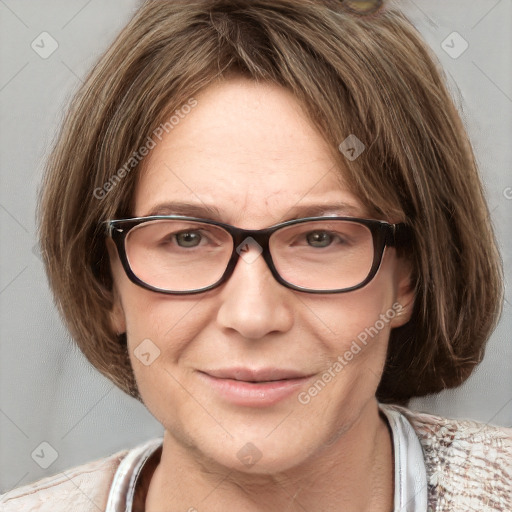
point(256, 375)
point(254, 387)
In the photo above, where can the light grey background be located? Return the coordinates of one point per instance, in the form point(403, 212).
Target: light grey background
point(48, 392)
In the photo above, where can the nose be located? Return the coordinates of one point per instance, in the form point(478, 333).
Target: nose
point(253, 303)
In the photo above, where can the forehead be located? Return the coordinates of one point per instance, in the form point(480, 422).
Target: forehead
point(247, 149)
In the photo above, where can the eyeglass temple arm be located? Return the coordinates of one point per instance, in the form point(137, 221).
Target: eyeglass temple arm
point(401, 234)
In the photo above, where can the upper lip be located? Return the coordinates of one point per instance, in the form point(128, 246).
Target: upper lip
point(256, 375)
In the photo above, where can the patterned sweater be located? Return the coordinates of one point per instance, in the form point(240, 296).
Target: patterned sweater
point(469, 469)
point(469, 464)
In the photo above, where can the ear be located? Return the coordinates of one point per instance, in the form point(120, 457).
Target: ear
point(117, 316)
point(405, 292)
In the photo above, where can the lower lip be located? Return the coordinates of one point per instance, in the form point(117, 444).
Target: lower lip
point(257, 394)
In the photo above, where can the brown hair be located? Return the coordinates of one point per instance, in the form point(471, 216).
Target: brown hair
point(368, 75)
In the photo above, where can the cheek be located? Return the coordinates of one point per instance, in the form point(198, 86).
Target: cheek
point(351, 315)
point(148, 313)
point(160, 332)
point(354, 328)
point(169, 322)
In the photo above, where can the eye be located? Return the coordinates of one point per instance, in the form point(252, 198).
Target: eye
point(319, 238)
point(188, 238)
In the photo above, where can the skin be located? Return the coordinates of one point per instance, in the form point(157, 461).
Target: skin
point(249, 150)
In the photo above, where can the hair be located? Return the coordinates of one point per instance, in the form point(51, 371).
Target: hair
point(365, 74)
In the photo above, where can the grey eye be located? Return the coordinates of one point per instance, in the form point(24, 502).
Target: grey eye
point(319, 239)
point(188, 239)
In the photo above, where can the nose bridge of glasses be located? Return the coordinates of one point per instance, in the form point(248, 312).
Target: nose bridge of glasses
point(249, 244)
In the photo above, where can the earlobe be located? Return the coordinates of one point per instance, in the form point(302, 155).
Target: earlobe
point(405, 297)
point(403, 314)
point(117, 318)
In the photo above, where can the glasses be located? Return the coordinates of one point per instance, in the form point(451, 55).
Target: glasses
point(174, 254)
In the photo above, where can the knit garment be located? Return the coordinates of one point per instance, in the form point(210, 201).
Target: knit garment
point(469, 464)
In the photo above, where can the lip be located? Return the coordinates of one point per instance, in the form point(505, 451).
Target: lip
point(254, 387)
point(255, 374)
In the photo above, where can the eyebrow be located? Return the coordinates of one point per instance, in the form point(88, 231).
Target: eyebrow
point(211, 212)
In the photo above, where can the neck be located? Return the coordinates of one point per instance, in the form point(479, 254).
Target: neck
point(353, 472)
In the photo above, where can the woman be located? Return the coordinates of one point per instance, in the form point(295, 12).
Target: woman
point(255, 221)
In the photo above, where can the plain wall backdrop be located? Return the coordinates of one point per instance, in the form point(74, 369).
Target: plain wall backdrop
point(49, 393)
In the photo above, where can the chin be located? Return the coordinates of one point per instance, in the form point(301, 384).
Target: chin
point(259, 455)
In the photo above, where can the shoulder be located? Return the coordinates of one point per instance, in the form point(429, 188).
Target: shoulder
point(469, 463)
point(82, 488)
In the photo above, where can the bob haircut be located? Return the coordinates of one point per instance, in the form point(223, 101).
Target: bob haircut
point(365, 74)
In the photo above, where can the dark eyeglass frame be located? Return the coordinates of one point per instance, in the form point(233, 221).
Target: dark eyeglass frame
point(383, 234)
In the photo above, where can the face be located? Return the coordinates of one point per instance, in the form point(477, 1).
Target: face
point(248, 150)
